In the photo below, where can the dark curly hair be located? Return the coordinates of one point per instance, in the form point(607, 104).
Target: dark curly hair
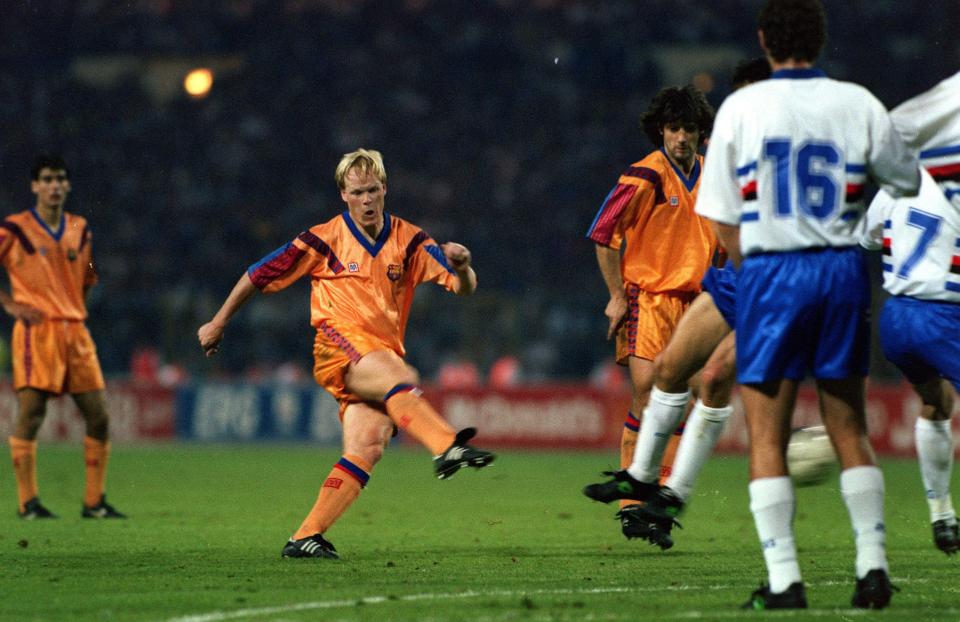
point(680, 105)
point(750, 71)
point(51, 161)
point(794, 29)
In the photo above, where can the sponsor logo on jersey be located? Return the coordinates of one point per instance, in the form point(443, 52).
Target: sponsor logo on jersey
point(353, 267)
point(674, 201)
point(394, 271)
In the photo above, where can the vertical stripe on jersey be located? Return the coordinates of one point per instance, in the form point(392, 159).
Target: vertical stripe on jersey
point(15, 229)
point(274, 265)
point(323, 248)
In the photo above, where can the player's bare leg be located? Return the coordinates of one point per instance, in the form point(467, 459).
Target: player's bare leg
point(382, 376)
point(31, 409)
point(366, 432)
point(699, 332)
point(769, 407)
point(861, 484)
point(934, 443)
point(704, 425)
point(96, 454)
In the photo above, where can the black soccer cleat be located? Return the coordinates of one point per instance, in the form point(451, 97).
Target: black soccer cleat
point(945, 537)
point(460, 454)
point(311, 546)
point(34, 509)
point(621, 486)
point(794, 597)
point(873, 591)
point(101, 510)
point(636, 524)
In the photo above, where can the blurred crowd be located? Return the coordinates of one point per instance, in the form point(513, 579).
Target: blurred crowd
point(503, 124)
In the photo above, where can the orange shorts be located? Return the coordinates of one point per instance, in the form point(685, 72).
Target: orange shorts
point(334, 349)
point(57, 356)
point(651, 320)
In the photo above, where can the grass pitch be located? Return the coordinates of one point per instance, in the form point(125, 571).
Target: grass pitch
point(516, 541)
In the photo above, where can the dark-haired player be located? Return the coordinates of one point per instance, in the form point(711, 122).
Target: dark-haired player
point(703, 339)
point(784, 187)
point(653, 281)
point(46, 252)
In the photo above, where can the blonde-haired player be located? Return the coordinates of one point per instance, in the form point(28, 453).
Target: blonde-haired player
point(364, 265)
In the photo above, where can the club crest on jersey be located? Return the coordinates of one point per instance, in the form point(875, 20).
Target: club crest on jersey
point(394, 271)
point(71, 254)
point(353, 267)
point(674, 201)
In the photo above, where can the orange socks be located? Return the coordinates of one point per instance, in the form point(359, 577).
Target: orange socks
point(415, 416)
point(24, 454)
point(669, 454)
point(95, 454)
point(628, 442)
point(338, 492)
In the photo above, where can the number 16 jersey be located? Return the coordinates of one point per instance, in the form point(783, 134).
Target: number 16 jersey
point(788, 158)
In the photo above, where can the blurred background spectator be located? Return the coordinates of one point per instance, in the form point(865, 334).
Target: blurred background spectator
point(503, 123)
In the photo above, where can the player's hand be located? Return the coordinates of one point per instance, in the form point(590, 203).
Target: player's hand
point(616, 312)
point(210, 336)
point(458, 256)
point(24, 313)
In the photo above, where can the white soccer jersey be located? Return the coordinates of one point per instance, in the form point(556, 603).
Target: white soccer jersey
point(920, 238)
point(788, 158)
point(930, 124)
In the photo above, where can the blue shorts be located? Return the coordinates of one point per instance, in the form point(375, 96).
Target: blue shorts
point(803, 311)
point(920, 338)
point(721, 284)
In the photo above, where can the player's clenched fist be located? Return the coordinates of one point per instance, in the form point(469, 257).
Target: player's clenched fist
point(457, 254)
point(210, 336)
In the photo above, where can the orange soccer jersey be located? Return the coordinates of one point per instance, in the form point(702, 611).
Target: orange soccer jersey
point(361, 292)
point(668, 246)
point(49, 270)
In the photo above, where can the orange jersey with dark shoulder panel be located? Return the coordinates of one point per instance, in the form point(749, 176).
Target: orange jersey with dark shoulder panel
point(668, 245)
point(358, 286)
point(48, 268)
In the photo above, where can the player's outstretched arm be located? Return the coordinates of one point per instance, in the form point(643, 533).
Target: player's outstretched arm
point(20, 311)
point(211, 333)
point(458, 256)
point(608, 259)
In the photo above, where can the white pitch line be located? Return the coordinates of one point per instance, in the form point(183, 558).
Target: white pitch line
point(218, 616)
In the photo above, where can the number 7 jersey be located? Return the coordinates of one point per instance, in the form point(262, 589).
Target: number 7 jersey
point(920, 238)
point(788, 159)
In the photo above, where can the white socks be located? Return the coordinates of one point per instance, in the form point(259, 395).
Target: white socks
point(660, 418)
point(934, 444)
point(772, 504)
point(699, 438)
point(862, 490)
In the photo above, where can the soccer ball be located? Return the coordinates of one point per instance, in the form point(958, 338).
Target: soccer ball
point(810, 456)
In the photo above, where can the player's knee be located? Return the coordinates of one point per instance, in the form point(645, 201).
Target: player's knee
point(668, 375)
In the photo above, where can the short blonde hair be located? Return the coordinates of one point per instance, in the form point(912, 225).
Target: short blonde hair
point(364, 161)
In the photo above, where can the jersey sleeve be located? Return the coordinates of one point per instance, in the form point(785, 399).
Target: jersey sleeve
point(306, 254)
point(425, 262)
point(720, 197)
point(638, 188)
point(877, 214)
point(890, 163)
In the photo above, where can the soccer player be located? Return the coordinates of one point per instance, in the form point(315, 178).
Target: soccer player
point(920, 239)
point(668, 248)
point(702, 339)
point(46, 252)
point(784, 185)
point(364, 265)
